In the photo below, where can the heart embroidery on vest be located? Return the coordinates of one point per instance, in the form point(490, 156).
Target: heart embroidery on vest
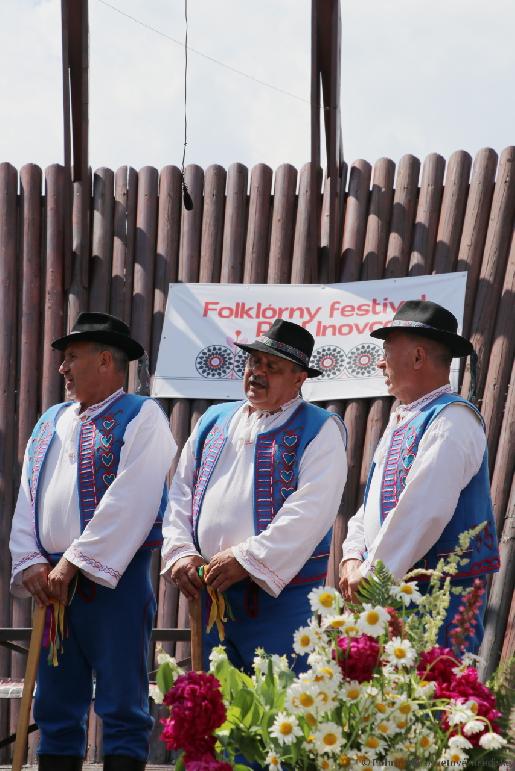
point(288, 458)
point(286, 491)
point(106, 440)
point(107, 458)
point(109, 479)
point(290, 441)
point(286, 476)
point(407, 461)
point(108, 424)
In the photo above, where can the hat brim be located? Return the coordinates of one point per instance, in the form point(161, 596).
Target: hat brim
point(132, 348)
point(248, 347)
point(458, 346)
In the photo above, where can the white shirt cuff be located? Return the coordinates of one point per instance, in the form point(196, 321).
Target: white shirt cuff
point(269, 581)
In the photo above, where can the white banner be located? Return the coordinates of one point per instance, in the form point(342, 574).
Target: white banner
point(198, 359)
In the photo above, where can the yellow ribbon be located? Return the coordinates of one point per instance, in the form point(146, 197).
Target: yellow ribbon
point(218, 607)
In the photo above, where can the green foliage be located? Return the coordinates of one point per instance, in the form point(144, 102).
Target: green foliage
point(165, 677)
point(375, 588)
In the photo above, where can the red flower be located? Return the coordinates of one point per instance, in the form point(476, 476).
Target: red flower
point(437, 664)
point(395, 625)
point(197, 708)
point(206, 763)
point(358, 657)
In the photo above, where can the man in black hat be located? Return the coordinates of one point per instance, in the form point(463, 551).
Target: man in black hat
point(255, 495)
point(429, 477)
point(90, 510)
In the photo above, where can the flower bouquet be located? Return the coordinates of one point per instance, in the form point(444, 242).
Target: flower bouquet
point(376, 690)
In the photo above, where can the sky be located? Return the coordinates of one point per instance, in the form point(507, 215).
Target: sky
point(418, 76)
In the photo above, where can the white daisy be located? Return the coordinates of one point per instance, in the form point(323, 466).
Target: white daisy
point(473, 727)
point(285, 728)
point(453, 756)
point(304, 640)
point(373, 620)
point(274, 761)
point(459, 712)
point(424, 689)
point(328, 737)
point(373, 743)
point(492, 741)
point(325, 600)
point(339, 622)
point(325, 671)
point(386, 727)
point(301, 697)
point(426, 741)
point(400, 652)
point(352, 690)
point(460, 742)
point(397, 759)
point(407, 592)
point(164, 658)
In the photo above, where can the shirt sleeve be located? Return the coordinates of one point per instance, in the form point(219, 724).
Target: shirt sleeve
point(354, 544)
point(276, 555)
point(127, 511)
point(178, 522)
point(22, 543)
point(449, 455)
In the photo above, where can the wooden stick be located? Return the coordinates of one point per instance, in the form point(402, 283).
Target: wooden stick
point(36, 637)
point(195, 608)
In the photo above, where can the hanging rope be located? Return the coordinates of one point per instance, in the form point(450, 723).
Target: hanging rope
point(186, 197)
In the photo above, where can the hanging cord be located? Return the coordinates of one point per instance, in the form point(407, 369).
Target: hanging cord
point(186, 197)
point(472, 394)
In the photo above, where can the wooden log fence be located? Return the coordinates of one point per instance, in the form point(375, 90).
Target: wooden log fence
point(252, 226)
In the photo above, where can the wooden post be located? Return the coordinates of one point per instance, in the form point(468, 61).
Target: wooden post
point(38, 625)
point(195, 610)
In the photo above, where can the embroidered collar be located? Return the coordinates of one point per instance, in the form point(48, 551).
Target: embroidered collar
point(404, 411)
point(90, 412)
point(266, 413)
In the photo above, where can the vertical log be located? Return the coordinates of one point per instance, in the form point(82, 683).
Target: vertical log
point(493, 266)
point(305, 247)
point(354, 226)
point(505, 457)
point(144, 259)
point(258, 230)
point(102, 241)
point(329, 257)
point(452, 212)
point(428, 212)
point(132, 211)
point(475, 226)
point(403, 214)
point(501, 358)
point(235, 224)
point(8, 316)
point(212, 224)
point(167, 253)
point(191, 226)
point(283, 221)
point(29, 352)
point(77, 293)
point(54, 321)
point(508, 648)
point(378, 221)
point(118, 272)
point(501, 594)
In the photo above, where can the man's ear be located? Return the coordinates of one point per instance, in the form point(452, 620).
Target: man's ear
point(301, 378)
point(419, 357)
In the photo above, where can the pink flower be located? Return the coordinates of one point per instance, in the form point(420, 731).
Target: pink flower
point(196, 708)
point(437, 664)
point(465, 620)
point(206, 763)
point(358, 657)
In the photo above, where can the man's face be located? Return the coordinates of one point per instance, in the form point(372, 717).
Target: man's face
point(81, 369)
point(270, 381)
point(397, 363)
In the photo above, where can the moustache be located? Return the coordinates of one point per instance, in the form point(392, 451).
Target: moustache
point(256, 381)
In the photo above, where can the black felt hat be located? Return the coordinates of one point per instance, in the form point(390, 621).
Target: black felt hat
point(428, 319)
point(288, 341)
point(101, 328)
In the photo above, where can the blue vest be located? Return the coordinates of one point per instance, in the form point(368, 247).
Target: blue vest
point(98, 456)
point(277, 457)
point(474, 504)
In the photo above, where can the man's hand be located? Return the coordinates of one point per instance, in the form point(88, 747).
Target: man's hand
point(59, 580)
point(35, 581)
point(350, 578)
point(183, 574)
point(224, 570)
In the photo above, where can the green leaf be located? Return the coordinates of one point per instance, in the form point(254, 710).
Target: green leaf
point(179, 763)
point(375, 588)
point(164, 677)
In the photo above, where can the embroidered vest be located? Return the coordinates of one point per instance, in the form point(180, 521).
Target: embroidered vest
point(277, 457)
point(98, 456)
point(474, 504)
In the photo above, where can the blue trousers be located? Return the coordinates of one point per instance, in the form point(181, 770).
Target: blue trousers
point(259, 621)
point(108, 635)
